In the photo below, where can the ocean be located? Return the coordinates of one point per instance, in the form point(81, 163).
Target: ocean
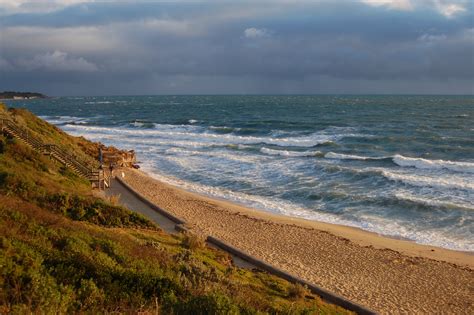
point(401, 166)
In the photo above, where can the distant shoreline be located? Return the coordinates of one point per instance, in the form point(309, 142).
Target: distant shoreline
point(14, 96)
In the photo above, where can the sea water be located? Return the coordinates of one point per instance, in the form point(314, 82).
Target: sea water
point(401, 166)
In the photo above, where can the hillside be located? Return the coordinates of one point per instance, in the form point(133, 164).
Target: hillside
point(63, 249)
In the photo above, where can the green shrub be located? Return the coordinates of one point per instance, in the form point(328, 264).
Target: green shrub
point(3, 178)
point(59, 202)
point(211, 304)
point(12, 184)
point(89, 295)
point(66, 172)
point(25, 283)
point(95, 211)
point(2, 145)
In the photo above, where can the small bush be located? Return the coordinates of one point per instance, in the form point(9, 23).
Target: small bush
point(21, 152)
point(296, 291)
point(2, 146)
point(95, 211)
point(192, 241)
point(12, 184)
point(114, 199)
point(90, 295)
point(67, 172)
point(210, 304)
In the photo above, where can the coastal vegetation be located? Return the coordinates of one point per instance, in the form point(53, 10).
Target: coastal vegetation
point(66, 249)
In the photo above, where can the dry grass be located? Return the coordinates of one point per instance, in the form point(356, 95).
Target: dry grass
point(192, 241)
point(114, 199)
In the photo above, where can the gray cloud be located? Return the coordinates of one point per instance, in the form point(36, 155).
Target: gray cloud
point(385, 46)
point(56, 61)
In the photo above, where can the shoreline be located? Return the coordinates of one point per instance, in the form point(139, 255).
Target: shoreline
point(381, 273)
point(355, 234)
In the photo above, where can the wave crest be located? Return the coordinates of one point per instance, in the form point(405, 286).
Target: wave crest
point(420, 163)
point(340, 156)
point(290, 153)
point(446, 182)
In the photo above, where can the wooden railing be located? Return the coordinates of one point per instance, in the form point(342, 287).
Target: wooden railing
point(97, 177)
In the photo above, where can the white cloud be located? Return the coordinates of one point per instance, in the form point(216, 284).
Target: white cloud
point(449, 8)
point(39, 6)
point(393, 4)
point(253, 32)
point(431, 38)
point(57, 61)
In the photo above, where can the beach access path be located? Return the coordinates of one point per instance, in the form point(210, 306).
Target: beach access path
point(130, 201)
point(387, 275)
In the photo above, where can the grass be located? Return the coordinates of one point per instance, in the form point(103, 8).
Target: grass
point(63, 250)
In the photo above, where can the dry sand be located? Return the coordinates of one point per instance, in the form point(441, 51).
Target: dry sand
point(390, 276)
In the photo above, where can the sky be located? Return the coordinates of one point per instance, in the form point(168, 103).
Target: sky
point(75, 47)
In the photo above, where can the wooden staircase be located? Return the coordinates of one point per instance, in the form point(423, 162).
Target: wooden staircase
point(97, 177)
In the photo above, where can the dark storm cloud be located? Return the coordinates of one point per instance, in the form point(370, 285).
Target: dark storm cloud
point(216, 47)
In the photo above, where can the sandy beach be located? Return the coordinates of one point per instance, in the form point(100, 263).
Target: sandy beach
point(388, 275)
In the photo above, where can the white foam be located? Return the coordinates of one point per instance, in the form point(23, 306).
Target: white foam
point(340, 156)
point(443, 182)
point(201, 134)
point(192, 121)
point(224, 128)
point(213, 154)
point(290, 153)
point(59, 120)
point(195, 133)
point(430, 201)
point(138, 123)
point(403, 161)
point(420, 163)
point(99, 102)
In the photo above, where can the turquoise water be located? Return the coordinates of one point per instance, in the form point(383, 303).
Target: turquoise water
point(397, 165)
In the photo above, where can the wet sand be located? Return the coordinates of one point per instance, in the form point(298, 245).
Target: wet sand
point(388, 275)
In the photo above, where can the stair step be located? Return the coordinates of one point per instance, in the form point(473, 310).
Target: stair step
point(51, 150)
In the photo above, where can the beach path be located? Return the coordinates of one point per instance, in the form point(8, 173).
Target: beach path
point(129, 200)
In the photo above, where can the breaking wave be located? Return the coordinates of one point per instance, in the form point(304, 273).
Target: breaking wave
point(291, 153)
point(420, 163)
point(444, 182)
point(403, 161)
point(340, 156)
point(197, 133)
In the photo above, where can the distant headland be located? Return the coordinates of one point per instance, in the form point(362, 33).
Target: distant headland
point(20, 95)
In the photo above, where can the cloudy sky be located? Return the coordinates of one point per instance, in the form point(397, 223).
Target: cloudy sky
point(74, 47)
